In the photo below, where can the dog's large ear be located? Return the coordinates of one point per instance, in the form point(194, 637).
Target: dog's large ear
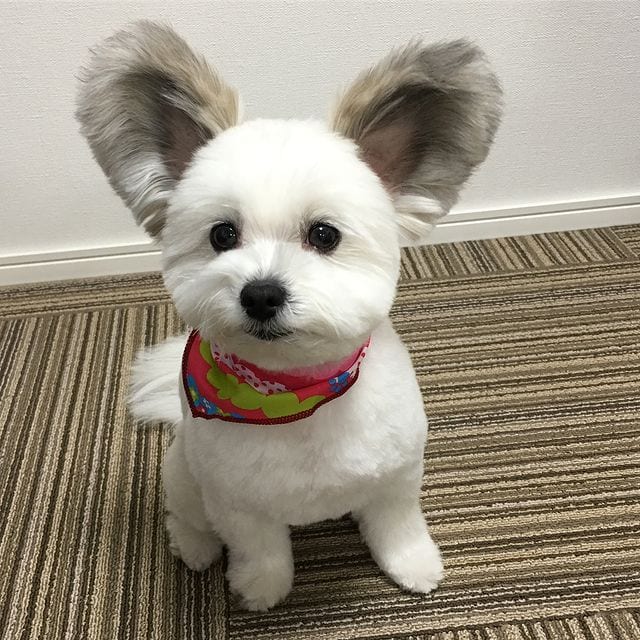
point(146, 103)
point(423, 118)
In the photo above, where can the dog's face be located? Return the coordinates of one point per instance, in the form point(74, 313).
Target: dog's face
point(281, 239)
point(281, 243)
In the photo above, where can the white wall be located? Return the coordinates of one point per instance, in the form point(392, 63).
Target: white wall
point(571, 73)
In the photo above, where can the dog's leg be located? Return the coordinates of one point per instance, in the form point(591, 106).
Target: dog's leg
point(260, 558)
point(190, 534)
point(395, 530)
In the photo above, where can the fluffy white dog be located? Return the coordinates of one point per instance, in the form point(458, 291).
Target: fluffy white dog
point(281, 245)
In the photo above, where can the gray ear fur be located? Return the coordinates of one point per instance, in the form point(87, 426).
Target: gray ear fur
point(146, 103)
point(424, 118)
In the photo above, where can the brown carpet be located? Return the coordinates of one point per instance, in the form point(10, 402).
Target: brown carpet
point(528, 353)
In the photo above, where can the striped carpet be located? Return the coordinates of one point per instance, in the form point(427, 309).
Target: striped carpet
point(528, 354)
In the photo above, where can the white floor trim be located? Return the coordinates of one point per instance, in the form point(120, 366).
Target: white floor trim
point(471, 225)
point(520, 221)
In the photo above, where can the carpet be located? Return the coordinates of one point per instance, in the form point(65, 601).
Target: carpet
point(527, 351)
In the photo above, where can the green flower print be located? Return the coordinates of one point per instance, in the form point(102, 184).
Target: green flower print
point(244, 396)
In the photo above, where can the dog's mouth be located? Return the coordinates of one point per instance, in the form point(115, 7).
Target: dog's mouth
point(266, 332)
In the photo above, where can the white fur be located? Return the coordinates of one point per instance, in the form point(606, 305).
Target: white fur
point(154, 394)
point(243, 485)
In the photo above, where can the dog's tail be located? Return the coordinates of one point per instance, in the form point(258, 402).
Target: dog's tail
point(154, 395)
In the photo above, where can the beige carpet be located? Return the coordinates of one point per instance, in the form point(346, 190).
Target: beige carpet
point(528, 354)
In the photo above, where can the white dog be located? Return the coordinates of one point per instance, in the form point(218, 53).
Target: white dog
point(281, 246)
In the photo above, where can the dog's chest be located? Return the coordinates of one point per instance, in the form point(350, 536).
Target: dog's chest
point(297, 478)
point(323, 466)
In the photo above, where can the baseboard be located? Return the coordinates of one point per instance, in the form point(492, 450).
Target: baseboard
point(547, 218)
point(470, 225)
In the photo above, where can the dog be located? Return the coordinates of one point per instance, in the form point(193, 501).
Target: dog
point(294, 400)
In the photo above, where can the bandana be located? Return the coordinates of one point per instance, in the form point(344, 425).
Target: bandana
point(220, 385)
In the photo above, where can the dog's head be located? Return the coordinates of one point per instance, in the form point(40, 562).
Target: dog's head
point(280, 239)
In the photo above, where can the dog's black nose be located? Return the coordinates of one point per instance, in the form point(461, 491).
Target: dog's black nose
point(261, 299)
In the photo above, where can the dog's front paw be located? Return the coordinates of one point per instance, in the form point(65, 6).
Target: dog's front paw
point(417, 568)
point(197, 549)
point(261, 584)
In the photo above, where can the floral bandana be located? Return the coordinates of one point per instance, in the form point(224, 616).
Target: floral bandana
point(220, 385)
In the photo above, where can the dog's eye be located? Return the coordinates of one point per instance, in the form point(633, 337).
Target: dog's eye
point(223, 236)
point(323, 237)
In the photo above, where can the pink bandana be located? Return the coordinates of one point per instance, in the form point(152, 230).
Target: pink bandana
point(220, 385)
